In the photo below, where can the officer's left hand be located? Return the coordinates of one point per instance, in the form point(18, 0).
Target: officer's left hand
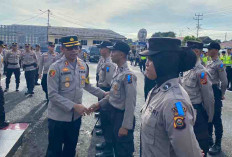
point(94, 107)
point(122, 132)
point(107, 93)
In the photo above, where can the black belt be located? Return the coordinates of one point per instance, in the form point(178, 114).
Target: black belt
point(33, 64)
point(12, 63)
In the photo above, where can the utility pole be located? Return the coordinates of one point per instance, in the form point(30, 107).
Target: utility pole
point(198, 18)
point(48, 24)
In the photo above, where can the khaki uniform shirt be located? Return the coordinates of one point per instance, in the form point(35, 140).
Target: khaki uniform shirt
point(46, 60)
point(65, 89)
point(106, 73)
point(198, 85)
point(123, 94)
point(99, 64)
point(167, 123)
point(218, 74)
point(38, 55)
point(12, 59)
point(29, 61)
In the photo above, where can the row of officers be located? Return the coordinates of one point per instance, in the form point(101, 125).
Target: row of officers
point(177, 118)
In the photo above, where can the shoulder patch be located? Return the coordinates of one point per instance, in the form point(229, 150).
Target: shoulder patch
point(129, 78)
point(179, 116)
point(107, 69)
point(52, 73)
point(66, 63)
point(221, 67)
point(180, 109)
point(203, 78)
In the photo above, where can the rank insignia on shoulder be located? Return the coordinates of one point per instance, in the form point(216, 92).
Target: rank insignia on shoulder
point(129, 79)
point(203, 78)
point(167, 86)
point(179, 122)
point(52, 73)
point(107, 69)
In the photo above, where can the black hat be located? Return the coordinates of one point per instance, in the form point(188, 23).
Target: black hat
point(157, 45)
point(27, 45)
point(37, 45)
point(51, 44)
point(195, 45)
point(14, 44)
point(70, 41)
point(104, 44)
point(120, 46)
point(214, 45)
point(2, 43)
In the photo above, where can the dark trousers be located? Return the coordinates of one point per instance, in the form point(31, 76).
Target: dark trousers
point(123, 146)
point(9, 74)
point(30, 80)
point(201, 127)
point(229, 76)
point(142, 65)
point(36, 75)
point(44, 85)
point(217, 120)
point(5, 69)
point(62, 138)
point(2, 102)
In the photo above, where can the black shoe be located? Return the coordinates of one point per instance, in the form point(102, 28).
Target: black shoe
point(4, 124)
point(6, 90)
point(30, 95)
point(17, 90)
point(211, 143)
point(215, 149)
point(98, 125)
point(97, 114)
point(26, 93)
point(100, 146)
point(99, 133)
point(105, 154)
point(37, 84)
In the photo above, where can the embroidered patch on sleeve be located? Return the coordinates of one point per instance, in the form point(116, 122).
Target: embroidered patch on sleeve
point(203, 78)
point(52, 73)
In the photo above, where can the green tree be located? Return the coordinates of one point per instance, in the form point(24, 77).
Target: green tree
point(188, 38)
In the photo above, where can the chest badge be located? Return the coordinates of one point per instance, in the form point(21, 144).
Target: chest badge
point(115, 89)
point(67, 79)
point(67, 84)
point(65, 69)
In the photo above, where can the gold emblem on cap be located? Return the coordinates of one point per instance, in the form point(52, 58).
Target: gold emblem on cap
point(71, 39)
point(67, 84)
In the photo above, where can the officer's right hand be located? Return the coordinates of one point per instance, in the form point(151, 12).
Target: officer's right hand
point(94, 107)
point(80, 109)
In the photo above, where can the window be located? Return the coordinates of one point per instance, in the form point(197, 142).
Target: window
point(83, 42)
point(97, 42)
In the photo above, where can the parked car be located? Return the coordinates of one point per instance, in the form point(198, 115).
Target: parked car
point(94, 54)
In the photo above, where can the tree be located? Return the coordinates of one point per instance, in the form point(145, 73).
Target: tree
point(188, 38)
point(164, 34)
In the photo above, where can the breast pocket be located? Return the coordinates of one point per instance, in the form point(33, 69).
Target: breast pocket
point(191, 82)
point(149, 123)
point(116, 89)
point(66, 82)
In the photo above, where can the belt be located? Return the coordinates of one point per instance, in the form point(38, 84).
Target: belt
point(12, 63)
point(33, 64)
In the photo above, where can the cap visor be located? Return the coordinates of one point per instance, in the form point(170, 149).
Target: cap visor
point(148, 53)
point(110, 47)
point(98, 45)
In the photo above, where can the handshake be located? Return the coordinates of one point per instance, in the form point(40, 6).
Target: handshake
point(82, 110)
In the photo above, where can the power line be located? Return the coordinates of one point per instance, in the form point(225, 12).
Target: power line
point(197, 17)
point(30, 18)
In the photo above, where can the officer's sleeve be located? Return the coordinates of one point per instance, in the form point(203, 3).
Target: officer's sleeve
point(179, 128)
point(36, 59)
point(53, 82)
point(130, 83)
point(91, 89)
point(41, 64)
point(103, 102)
point(223, 78)
point(207, 94)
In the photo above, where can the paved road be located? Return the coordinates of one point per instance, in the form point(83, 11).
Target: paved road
point(33, 111)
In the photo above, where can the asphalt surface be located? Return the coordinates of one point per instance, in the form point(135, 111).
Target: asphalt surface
point(20, 109)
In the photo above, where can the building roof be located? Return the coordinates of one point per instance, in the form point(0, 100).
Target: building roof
point(85, 32)
point(226, 44)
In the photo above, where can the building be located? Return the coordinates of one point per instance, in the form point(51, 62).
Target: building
point(38, 34)
point(226, 44)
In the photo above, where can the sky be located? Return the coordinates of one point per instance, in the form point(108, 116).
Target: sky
point(125, 17)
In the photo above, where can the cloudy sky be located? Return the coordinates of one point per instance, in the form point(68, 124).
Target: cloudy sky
point(125, 16)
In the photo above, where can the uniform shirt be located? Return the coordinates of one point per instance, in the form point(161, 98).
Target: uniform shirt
point(106, 73)
point(218, 74)
point(38, 55)
point(29, 61)
point(197, 84)
point(123, 94)
point(12, 59)
point(1, 65)
point(65, 89)
point(45, 61)
point(99, 64)
point(167, 130)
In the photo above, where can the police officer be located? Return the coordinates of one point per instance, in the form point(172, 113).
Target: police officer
point(3, 122)
point(120, 103)
point(107, 70)
point(38, 56)
point(45, 61)
point(219, 81)
point(67, 78)
point(12, 62)
point(228, 63)
point(205, 58)
point(168, 116)
point(29, 64)
point(197, 84)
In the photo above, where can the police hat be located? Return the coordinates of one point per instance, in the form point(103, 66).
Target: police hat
point(27, 45)
point(157, 45)
point(70, 41)
point(195, 45)
point(104, 44)
point(51, 44)
point(2, 43)
point(14, 44)
point(120, 46)
point(214, 45)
